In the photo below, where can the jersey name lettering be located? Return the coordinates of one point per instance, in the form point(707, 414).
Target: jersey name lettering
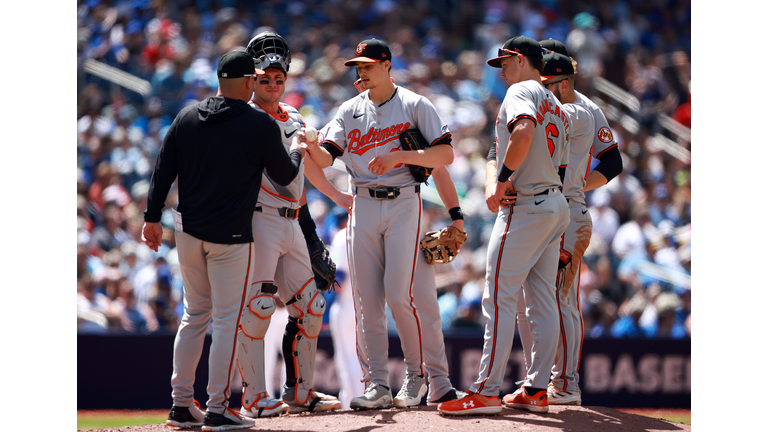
point(546, 106)
point(359, 144)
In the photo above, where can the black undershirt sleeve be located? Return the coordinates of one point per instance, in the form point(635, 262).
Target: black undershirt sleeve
point(610, 163)
point(491, 153)
point(332, 149)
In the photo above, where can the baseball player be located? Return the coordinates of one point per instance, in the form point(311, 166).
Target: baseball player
point(425, 298)
point(209, 148)
point(283, 261)
point(532, 136)
point(597, 140)
point(385, 223)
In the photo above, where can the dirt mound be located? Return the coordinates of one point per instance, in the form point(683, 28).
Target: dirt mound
point(559, 418)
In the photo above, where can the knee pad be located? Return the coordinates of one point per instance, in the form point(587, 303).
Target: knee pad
point(308, 307)
point(258, 311)
point(306, 310)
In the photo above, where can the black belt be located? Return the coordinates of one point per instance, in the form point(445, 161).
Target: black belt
point(546, 192)
point(285, 212)
point(387, 192)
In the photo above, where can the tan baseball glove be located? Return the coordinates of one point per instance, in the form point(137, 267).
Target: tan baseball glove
point(442, 246)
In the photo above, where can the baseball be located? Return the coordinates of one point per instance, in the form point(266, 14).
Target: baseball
point(310, 133)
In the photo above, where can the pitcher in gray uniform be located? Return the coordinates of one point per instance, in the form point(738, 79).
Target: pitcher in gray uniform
point(532, 135)
point(386, 220)
point(283, 263)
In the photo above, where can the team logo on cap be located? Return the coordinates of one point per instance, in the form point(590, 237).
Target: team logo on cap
point(360, 48)
point(605, 134)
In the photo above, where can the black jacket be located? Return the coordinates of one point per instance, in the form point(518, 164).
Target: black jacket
point(219, 148)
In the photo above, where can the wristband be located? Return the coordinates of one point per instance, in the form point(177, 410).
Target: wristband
point(505, 174)
point(456, 214)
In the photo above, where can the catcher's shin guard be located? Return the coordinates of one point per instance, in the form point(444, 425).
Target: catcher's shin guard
point(254, 324)
point(306, 310)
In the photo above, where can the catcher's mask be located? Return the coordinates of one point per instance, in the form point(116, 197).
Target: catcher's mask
point(269, 49)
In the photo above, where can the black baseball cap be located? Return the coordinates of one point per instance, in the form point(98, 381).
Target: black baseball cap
point(237, 64)
point(556, 64)
point(370, 51)
point(517, 45)
point(554, 45)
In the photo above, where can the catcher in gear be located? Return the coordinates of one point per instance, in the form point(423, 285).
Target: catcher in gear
point(282, 228)
point(442, 246)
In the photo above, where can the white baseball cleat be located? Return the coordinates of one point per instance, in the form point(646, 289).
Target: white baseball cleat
point(376, 397)
point(556, 396)
point(414, 388)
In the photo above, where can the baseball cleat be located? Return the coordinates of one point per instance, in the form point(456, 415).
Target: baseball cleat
point(265, 406)
point(556, 396)
point(316, 403)
point(185, 417)
point(414, 388)
point(471, 404)
point(376, 397)
point(229, 420)
point(521, 400)
point(450, 395)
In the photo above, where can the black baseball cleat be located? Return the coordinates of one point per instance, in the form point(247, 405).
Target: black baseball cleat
point(450, 395)
point(185, 417)
point(231, 419)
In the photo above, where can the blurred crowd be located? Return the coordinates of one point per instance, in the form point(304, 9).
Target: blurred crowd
point(635, 277)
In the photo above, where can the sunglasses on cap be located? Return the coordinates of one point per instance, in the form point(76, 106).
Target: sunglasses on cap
point(554, 82)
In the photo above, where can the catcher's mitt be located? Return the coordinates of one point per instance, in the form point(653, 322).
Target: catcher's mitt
point(322, 265)
point(412, 139)
point(442, 246)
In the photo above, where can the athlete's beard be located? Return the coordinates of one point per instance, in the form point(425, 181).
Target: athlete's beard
point(556, 92)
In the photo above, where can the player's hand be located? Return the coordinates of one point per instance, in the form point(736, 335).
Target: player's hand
point(302, 134)
point(300, 146)
point(152, 234)
point(344, 200)
point(359, 85)
point(383, 163)
point(490, 197)
point(504, 193)
point(459, 224)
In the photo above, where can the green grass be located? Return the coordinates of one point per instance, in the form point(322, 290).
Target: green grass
point(672, 415)
point(86, 421)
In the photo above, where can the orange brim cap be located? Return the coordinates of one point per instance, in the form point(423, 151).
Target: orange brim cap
point(351, 63)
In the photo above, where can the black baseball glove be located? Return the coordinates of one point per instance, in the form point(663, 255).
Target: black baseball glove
point(412, 139)
point(322, 265)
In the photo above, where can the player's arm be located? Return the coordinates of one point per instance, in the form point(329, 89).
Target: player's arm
point(490, 180)
point(166, 170)
point(281, 166)
point(317, 177)
point(447, 191)
point(517, 149)
point(319, 154)
point(440, 154)
point(609, 167)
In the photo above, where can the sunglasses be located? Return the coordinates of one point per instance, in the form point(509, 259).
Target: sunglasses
point(506, 52)
point(554, 82)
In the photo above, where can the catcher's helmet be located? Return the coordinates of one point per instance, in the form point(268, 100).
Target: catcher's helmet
point(269, 49)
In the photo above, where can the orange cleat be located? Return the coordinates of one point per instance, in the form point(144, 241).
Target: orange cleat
point(471, 404)
point(520, 399)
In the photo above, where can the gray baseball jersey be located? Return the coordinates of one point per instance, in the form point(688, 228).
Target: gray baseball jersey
point(272, 194)
point(582, 133)
point(384, 234)
point(604, 139)
point(529, 99)
point(361, 131)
